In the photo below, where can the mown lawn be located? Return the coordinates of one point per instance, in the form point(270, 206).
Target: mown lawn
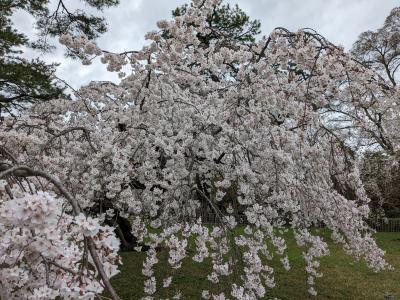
point(343, 277)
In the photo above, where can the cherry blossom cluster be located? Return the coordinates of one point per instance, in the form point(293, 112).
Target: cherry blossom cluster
point(43, 252)
point(88, 50)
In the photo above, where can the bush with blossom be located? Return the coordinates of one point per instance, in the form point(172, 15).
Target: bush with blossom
point(191, 123)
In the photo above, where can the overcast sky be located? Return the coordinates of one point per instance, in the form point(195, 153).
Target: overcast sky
point(341, 21)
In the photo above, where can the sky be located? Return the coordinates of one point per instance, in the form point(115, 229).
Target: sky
point(340, 21)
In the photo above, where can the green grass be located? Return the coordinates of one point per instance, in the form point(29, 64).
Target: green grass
point(343, 277)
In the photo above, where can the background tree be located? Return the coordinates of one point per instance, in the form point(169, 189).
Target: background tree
point(230, 25)
point(24, 81)
point(381, 178)
point(21, 81)
point(380, 49)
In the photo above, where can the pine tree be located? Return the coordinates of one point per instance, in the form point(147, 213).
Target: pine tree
point(230, 25)
point(24, 81)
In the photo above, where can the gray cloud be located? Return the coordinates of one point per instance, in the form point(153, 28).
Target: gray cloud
point(340, 21)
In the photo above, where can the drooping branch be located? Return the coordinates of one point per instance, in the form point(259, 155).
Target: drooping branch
point(64, 132)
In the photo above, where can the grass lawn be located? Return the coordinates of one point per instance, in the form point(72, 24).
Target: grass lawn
point(343, 277)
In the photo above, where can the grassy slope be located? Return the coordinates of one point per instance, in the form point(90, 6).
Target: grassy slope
point(343, 277)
